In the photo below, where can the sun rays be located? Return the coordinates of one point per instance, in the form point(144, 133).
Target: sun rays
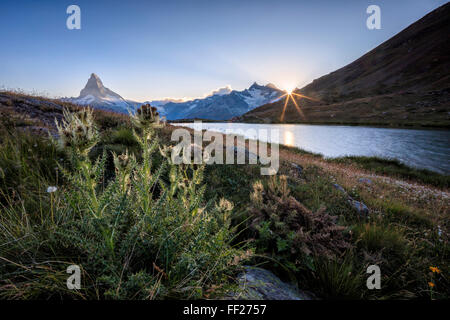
point(290, 95)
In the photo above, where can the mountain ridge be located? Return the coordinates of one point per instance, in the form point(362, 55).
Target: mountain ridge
point(225, 106)
point(404, 80)
point(222, 104)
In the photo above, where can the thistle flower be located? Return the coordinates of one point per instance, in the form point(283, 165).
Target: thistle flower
point(77, 131)
point(278, 185)
point(256, 196)
point(121, 162)
point(225, 205)
point(145, 117)
point(258, 186)
point(123, 165)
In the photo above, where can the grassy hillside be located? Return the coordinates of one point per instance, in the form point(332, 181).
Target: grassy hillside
point(142, 228)
point(402, 82)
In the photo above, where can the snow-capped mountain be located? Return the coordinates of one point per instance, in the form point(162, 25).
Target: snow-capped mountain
point(96, 95)
point(222, 105)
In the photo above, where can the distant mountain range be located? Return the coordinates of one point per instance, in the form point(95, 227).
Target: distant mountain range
point(405, 80)
point(222, 104)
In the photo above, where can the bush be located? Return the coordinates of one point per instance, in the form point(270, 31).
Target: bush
point(289, 230)
point(148, 233)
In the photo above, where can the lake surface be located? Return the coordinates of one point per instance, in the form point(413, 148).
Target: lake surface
point(429, 149)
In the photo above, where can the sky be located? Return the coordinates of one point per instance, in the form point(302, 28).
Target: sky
point(147, 50)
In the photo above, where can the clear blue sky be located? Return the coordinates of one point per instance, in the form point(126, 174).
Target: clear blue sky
point(153, 49)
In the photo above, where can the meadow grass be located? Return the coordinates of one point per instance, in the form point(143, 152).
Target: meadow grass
point(142, 228)
point(394, 168)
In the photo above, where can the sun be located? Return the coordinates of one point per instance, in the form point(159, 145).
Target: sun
point(289, 88)
point(295, 97)
point(291, 95)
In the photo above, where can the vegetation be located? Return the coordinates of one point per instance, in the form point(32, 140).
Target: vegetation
point(104, 195)
point(394, 168)
point(145, 233)
point(305, 229)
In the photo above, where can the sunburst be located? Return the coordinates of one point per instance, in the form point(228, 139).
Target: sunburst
point(290, 95)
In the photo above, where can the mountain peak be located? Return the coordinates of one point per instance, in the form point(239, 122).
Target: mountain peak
point(272, 86)
point(95, 77)
point(94, 86)
point(97, 95)
point(255, 85)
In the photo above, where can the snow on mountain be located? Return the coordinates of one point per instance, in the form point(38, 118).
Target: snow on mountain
point(96, 95)
point(222, 104)
point(162, 102)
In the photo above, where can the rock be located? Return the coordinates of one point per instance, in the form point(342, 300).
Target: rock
point(360, 207)
point(298, 167)
point(365, 180)
point(260, 284)
point(339, 188)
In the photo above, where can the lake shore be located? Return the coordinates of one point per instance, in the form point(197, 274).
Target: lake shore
point(386, 125)
point(420, 149)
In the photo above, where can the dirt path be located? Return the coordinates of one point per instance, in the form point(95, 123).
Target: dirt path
point(353, 172)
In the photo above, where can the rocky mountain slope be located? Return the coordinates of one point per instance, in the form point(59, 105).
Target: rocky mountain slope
point(96, 95)
point(38, 114)
point(403, 81)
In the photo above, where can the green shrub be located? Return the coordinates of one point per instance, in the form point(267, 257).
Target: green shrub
point(288, 231)
point(148, 233)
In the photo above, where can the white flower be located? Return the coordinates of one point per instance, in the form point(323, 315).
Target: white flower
point(51, 189)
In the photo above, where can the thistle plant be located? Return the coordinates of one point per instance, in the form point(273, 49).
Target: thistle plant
point(77, 135)
point(123, 167)
point(146, 119)
point(138, 225)
point(148, 231)
point(77, 132)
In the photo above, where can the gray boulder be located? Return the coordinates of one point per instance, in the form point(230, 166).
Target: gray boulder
point(298, 168)
point(365, 180)
point(360, 207)
point(260, 284)
point(338, 187)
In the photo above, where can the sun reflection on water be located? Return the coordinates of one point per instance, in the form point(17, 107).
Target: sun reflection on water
point(288, 138)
